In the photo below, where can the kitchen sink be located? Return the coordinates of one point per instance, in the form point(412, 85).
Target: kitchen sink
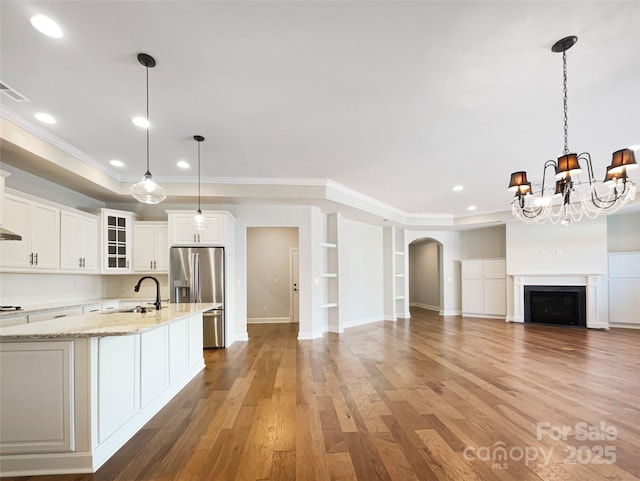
point(141, 309)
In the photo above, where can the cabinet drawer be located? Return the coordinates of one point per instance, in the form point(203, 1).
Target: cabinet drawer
point(46, 316)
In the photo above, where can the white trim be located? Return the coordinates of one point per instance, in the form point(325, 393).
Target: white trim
point(425, 306)
point(268, 320)
point(450, 313)
point(360, 322)
point(303, 335)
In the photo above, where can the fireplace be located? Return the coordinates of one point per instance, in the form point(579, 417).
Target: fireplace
point(559, 305)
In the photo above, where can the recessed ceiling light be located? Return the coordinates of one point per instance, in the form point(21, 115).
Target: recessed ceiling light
point(458, 188)
point(182, 164)
point(471, 207)
point(116, 163)
point(46, 118)
point(141, 122)
point(47, 26)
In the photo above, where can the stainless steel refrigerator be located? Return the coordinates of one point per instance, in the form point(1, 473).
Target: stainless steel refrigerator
point(197, 275)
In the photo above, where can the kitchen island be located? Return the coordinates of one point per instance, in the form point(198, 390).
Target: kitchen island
point(74, 390)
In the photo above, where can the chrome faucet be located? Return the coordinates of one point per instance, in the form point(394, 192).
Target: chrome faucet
point(137, 289)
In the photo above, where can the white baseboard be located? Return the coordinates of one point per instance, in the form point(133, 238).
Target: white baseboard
point(302, 335)
point(450, 313)
point(425, 306)
point(624, 325)
point(360, 322)
point(484, 316)
point(268, 320)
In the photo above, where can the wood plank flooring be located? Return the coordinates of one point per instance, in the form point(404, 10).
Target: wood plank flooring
point(429, 399)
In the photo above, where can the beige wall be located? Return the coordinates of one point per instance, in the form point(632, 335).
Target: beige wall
point(268, 272)
point(424, 274)
point(623, 232)
point(483, 243)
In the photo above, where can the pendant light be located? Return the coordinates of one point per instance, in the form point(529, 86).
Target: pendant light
point(199, 220)
point(147, 191)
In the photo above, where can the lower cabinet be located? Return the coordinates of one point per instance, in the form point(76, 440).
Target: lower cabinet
point(484, 288)
point(57, 314)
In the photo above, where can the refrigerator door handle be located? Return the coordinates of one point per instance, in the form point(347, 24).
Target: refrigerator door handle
point(195, 277)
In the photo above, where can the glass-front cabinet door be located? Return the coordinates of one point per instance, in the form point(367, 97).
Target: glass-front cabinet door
point(117, 238)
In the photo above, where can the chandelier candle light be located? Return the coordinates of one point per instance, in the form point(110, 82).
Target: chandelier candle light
point(147, 191)
point(568, 198)
point(199, 220)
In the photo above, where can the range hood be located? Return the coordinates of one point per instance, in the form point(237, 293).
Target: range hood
point(6, 234)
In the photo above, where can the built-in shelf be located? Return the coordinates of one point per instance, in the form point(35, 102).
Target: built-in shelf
point(399, 298)
point(328, 245)
point(329, 274)
point(399, 253)
point(328, 305)
point(398, 275)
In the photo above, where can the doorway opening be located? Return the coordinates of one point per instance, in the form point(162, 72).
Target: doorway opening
point(272, 275)
point(426, 275)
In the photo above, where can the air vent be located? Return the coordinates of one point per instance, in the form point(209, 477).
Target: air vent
point(12, 93)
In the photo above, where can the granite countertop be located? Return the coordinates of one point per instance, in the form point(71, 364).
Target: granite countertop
point(103, 323)
point(50, 306)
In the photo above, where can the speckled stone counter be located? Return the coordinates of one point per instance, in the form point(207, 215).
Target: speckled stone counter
point(102, 323)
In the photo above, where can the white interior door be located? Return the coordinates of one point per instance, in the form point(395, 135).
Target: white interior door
point(295, 285)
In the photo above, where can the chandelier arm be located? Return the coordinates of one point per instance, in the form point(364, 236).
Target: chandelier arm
point(587, 158)
point(547, 164)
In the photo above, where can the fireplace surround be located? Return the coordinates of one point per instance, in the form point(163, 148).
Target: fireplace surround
point(595, 295)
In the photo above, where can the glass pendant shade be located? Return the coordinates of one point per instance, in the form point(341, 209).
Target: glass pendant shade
point(147, 191)
point(623, 159)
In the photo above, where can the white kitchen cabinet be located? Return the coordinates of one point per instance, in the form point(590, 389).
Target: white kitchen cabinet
point(78, 242)
point(116, 239)
point(14, 320)
point(39, 226)
point(484, 288)
point(55, 314)
point(624, 287)
point(150, 247)
point(182, 229)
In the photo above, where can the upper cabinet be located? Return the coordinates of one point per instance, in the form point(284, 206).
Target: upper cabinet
point(151, 247)
point(78, 242)
point(39, 226)
point(182, 231)
point(116, 234)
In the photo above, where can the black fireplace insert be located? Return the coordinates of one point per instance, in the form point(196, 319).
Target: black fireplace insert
point(559, 305)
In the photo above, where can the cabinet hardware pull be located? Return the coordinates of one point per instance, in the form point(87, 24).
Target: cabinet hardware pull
point(154, 265)
point(59, 316)
point(127, 264)
point(36, 258)
point(150, 264)
point(80, 262)
point(31, 259)
point(84, 262)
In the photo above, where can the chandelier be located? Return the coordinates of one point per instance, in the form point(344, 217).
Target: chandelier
point(573, 191)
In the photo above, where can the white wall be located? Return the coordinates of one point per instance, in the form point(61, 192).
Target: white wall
point(548, 249)
point(268, 273)
point(623, 232)
point(34, 289)
point(424, 275)
point(489, 242)
point(361, 270)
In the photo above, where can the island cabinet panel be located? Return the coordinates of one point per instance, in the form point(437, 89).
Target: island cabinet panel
point(37, 409)
point(154, 364)
point(118, 371)
point(178, 349)
point(195, 340)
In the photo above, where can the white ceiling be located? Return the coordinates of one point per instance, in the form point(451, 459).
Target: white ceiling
point(396, 100)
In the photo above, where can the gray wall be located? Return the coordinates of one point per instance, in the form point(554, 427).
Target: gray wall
point(425, 274)
point(268, 288)
point(483, 243)
point(623, 232)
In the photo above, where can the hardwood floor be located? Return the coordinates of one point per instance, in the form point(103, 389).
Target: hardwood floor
point(429, 398)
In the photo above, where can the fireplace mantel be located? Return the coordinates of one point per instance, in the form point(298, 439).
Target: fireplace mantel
point(592, 283)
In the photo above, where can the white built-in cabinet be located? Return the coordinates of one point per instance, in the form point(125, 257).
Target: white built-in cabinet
point(151, 247)
point(78, 242)
point(116, 241)
point(182, 230)
point(624, 289)
point(39, 226)
point(484, 288)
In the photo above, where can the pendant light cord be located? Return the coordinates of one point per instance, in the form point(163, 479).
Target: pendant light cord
point(148, 123)
point(566, 115)
point(198, 176)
